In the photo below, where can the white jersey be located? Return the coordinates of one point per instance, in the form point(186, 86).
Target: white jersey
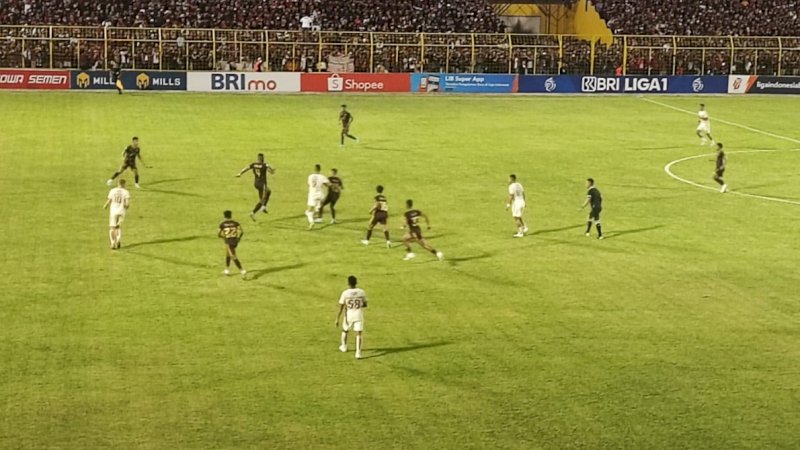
point(306, 21)
point(517, 192)
point(119, 197)
point(355, 300)
point(316, 185)
point(705, 123)
point(703, 115)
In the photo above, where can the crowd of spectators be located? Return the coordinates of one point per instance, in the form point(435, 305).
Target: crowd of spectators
point(702, 17)
point(351, 15)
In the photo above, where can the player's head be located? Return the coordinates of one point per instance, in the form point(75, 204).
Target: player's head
point(344, 107)
point(334, 171)
point(702, 106)
point(121, 182)
point(135, 141)
point(590, 182)
point(512, 178)
point(379, 189)
point(317, 168)
point(409, 203)
point(227, 214)
point(719, 146)
point(352, 281)
point(261, 157)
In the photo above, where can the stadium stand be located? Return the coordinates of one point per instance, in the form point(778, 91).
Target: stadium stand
point(702, 18)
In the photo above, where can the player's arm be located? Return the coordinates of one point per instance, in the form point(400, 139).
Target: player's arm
point(270, 170)
point(126, 203)
point(241, 172)
point(219, 233)
point(427, 221)
point(239, 232)
point(341, 309)
point(586, 202)
point(364, 305)
point(509, 200)
point(108, 202)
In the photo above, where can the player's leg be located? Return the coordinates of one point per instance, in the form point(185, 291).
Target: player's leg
point(112, 237)
point(116, 174)
point(135, 176)
point(359, 340)
point(370, 226)
point(596, 217)
point(341, 137)
point(265, 198)
point(408, 239)
point(333, 209)
point(424, 243)
point(343, 337)
point(325, 203)
point(260, 203)
point(235, 258)
point(386, 235)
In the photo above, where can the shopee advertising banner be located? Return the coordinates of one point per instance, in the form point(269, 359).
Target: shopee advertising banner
point(355, 82)
point(34, 79)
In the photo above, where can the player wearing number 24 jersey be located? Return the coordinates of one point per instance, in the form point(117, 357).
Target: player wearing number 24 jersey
point(353, 300)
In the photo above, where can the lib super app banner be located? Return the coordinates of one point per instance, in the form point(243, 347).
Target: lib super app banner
point(477, 83)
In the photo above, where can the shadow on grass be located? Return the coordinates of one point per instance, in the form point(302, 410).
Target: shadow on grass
point(167, 180)
point(258, 273)
point(615, 234)
point(176, 261)
point(457, 260)
point(378, 352)
point(163, 241)
point(171, 192)
point(556, 230)
point(384, 149)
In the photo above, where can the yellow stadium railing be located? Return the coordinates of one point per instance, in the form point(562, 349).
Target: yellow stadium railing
point(60, 47)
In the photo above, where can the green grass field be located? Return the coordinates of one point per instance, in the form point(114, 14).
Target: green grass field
point(680, 330)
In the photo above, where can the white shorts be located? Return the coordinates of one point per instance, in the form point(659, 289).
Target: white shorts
point(315, 201)
point(115, 219)
point(704, 127)
point(355, 326)
point(517, 208)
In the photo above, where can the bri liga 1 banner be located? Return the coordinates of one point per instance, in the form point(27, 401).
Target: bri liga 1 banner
point(576, 84)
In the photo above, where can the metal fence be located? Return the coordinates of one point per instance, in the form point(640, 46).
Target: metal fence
point(61, 47)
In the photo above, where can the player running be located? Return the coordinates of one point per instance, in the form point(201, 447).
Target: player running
point(414, 233)
point(595, 199)
point(129, 156)
point(516, 201)
point(379, 216)
point(316, 194)
point(354, 300)
point(119, 200)
point(335, 188)
point(260, 170)
point(231, 232)
point(346, 119)
point(719, 170)
point(115, 77)
point(704, 126)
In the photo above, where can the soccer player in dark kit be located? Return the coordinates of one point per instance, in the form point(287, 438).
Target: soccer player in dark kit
point(129, 156)
point(115, 78)
point(379, 216)
point(414, 233)
point(231, 232)
point(719, 169)
point(335, 189)
point(595, 199)
point(260, 170)
point(346, 119)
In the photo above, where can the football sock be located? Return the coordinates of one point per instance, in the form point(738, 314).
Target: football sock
point(369, 234)
point(238, 264)
point(116, 174)
point(352, 137)
point(343, 339)
point(342, 140)
point(599, 230)
point(136, 179)
point(227, 261)
point(433, 250)
point(266, 198)
point(386, 233)
point(358, 344)
point(310, 216)
point(119, 235)
point(111, 236)
point(588, 226)
point(333, 213)
point(257, 208)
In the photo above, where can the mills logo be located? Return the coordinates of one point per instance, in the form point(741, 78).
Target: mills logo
point(83, 80)
point(142, 81)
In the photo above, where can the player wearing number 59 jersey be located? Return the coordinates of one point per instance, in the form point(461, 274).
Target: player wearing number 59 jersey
point(231, 232)
point(353, 300)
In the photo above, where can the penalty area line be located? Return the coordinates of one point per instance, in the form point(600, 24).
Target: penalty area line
point(668, 170)
point(727, 122)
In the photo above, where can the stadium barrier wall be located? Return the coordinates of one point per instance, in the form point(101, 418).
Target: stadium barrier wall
point(34, 79)
point(760, 84)
point(143, 80)
point(576, 84)
point(257, 82)
point(464, 82)
point(355, 82)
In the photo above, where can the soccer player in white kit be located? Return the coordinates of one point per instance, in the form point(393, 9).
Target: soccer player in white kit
point(353, 300)
point(516, 201)
point(316, 195)
point(704, 126)
point(119, 201)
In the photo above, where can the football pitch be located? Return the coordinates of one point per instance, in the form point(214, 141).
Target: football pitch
point(680, 330)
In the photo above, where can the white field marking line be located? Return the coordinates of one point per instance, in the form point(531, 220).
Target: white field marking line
point(668, 170)
point(733, 124)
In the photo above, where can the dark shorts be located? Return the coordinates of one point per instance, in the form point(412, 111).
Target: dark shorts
point(331, 199)
point(232, 244)
point(129, 165)
point(720, 172)
point(379, 217)
point(262, 189)
point(416, 233)
point(594, 214)
point(346, 128)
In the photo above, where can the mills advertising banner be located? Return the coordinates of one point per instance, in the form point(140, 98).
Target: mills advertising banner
point(141, 80)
